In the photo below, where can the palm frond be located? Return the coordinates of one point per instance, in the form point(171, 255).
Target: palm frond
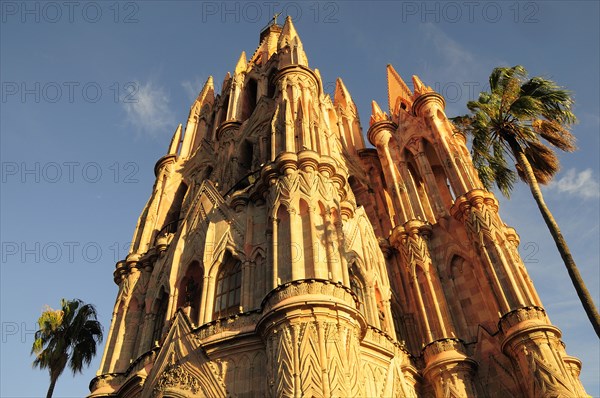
point(555, 133)
point(517, 114)
point(69, 335)
point(543, 160)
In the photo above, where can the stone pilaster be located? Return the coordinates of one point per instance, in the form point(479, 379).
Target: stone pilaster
point(411, 239)
point(534, 347)
point(312, 349)
point(478, 210)
point(448, 369)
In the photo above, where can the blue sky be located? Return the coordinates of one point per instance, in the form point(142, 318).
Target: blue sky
point(92, 92)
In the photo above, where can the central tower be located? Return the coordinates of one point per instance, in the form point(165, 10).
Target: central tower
point(279, 257)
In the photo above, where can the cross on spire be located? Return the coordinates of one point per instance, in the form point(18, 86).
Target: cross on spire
point(275, 17)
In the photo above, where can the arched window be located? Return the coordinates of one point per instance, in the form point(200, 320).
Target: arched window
point(439, 173)
point(229, 286)
point(160, 308)
point(249, 103)
point(272, 88)
point(224, 109)
point(357, 287)
point(398, 322)
point(383, 322)
point(190, 291)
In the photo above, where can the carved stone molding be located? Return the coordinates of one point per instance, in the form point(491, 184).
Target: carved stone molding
point(176, 376)
point(448, 368)
point(307, 287)
point(380, 132)
point(513, 318)
point(241, 322)
point(378, 338)
point(117, 379)
point(411, 239)
point(291, 172)
point(166, 160)
point(427, 95)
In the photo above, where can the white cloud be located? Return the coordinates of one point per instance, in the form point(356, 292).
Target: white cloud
point(148, 111)
point(456, 59)
point(192, 87)
point(454, 71)
point(582, 184)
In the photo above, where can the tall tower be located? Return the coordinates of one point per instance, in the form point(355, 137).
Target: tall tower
point(279, 257)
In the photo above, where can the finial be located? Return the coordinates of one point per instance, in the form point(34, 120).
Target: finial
point(396, 88)
point(419, 87)
point(376, 114)
point(175, 141)
point(275, 17)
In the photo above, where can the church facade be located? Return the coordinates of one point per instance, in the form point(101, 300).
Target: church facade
point(279, 256)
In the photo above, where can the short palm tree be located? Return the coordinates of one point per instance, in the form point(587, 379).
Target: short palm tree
point(517, 119)
point(66, 337)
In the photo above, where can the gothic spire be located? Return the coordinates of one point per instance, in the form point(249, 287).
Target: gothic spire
point(207, 93)
point(342, 97)
point(206, 96)
point(376, 113)
point(420, 87)
point(396, 89)
point(175, 141)
point(289, 38)
point(241, 65)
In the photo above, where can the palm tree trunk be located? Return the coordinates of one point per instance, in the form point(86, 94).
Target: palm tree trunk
point(51, 388)
point(561, 244)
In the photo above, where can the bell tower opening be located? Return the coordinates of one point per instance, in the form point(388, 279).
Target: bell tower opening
point(250, 93)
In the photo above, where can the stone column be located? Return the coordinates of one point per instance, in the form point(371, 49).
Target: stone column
point(534, 347)
point(478, 210)
point(448, 369)
point(447, 366)
point(297, 246)
point(312, 350)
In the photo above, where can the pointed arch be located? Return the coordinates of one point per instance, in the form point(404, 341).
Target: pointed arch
point(439, 173)
point(358, 287)
point(242, 376)
point(498, 266)
point(159, 309)
point(271, 83)
point(300, 138)
point(261, 276)
point(419, 196)
point(284, 247)
point(307, 239)
point(190, 291)
point(132, 322)
point(464, 296)
point(361, 282)
point(398, 322)
point(224, 108)
point(258, 372)
point(250, 98)
point(228, 287)
point(381, 311)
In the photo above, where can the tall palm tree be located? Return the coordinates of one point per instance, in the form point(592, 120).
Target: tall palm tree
point(517, 119)
point(66, 337)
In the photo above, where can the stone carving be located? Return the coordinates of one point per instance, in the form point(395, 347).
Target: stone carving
point(243, 321)
point(177, 376)
point(270, 139)
point(439, 346)
point(523, 314)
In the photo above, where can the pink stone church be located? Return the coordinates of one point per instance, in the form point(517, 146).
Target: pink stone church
point(279, 256)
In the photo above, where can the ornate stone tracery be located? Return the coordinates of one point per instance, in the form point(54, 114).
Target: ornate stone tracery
point(359, 272)
point(176, 376)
